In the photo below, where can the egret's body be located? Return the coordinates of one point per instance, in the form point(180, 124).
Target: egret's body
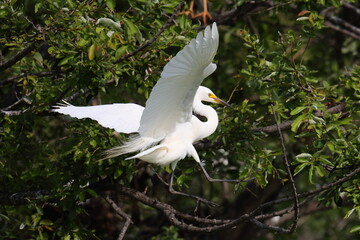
point(167, 127)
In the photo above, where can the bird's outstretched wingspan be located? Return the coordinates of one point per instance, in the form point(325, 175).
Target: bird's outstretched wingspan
point(123, 117)
point(172, 97)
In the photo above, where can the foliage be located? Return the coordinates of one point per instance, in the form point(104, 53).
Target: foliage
point(280, 62)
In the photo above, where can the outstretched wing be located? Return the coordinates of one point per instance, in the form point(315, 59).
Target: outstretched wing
point(171, 99)
point(123, 117)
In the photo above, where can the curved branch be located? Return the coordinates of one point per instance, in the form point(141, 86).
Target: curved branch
point(172, 214)
point(120, 213)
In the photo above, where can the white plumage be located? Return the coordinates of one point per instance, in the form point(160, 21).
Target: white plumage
point(123, 117)
point(166, 128)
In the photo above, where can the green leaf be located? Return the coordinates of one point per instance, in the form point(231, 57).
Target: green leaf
point(355, 229)
point(111, 4)
point(297, 122)
point(118, 173)
point(324, 160)
point(320, 171)
point(107, 22)
point(67, 237)
point(93, 143)
point(64, 61)
point(304, 155)
point(46, 222)
point(131, 28)
point(302, 18)
point(311, 174)
point(348, 214)
point(38, 59)
point(299, 168)
point(120, 51)
point(91, 52)
point(297, 110)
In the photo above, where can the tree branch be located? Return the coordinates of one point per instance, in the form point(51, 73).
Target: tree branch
point(287, 124)
point(350, 6)
point(296, 200)
point(18, 56)
point(122, 214)
point(172, 214)
point(341, 25)
point(148, 43)
point(20, 198)
point(339, 29)
point(39, 74)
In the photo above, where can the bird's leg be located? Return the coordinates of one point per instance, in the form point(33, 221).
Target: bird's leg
point(191, 10)
point(199, 199)
point(210, 179)
point(204, 13)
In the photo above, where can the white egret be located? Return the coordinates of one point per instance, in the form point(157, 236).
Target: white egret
point(167, 127)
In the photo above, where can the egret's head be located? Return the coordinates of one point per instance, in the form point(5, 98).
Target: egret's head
point(206, 95)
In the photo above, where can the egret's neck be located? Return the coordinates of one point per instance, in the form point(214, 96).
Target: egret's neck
point(204, 129)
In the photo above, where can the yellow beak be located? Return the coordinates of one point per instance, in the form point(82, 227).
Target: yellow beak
point(218, 100)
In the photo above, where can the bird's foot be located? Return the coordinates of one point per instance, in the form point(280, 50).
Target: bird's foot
point(205, 14)
point(199, 199)
point(190, 12)
point(210, 179)
point(173, 191)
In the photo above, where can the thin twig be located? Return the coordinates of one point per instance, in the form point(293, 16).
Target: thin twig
point(288, 169)
point(13, 113)
point(39, 74)
point(148, 43)
point(350, 6)
point(344, 31)
point(335, 22)
point(287, 124)
point(310, 193)
point(280, 212)
point(122, 214)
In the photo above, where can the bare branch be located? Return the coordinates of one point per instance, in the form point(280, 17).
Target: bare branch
point(18, 56)
point(148, 43)
point(122, 214)
point(21, 197)
point(339, 24)
point(350, 6)
point(291, 178)
point(172, 214)
point(13, 113)
point(319, 190)
point(339, 29)
point(40, 74)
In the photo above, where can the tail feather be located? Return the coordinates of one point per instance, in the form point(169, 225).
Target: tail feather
point(134, 144)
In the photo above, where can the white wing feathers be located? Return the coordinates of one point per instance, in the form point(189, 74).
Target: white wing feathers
point(123, 117)
point(171, 99)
